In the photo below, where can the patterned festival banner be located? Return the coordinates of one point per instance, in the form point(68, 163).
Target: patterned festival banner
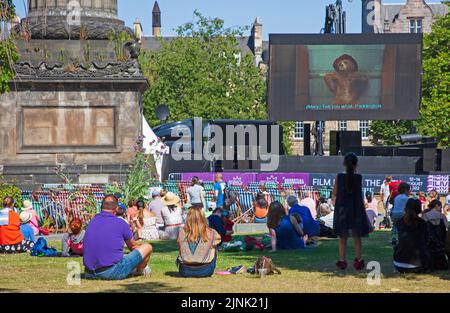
point(418, 183)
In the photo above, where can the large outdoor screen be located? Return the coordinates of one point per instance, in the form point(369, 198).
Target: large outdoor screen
point(345, 77)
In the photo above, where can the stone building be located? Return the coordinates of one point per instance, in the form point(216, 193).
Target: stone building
point(411, 17)
point(76, 97)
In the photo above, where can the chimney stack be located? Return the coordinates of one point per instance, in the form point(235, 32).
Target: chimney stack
point(257, 41)
point(156, 20)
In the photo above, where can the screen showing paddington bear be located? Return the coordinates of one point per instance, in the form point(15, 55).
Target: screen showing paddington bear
point(344, 77)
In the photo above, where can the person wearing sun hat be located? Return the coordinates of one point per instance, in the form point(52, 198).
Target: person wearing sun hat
point(172, 215)
point(25, 228)
point(34, 224)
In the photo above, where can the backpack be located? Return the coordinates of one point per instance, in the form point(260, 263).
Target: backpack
point(76, 248)
point(41, 249)
point(229, 197)
point(265, 262)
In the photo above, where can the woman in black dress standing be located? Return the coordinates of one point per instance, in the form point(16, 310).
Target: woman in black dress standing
point(350, 218)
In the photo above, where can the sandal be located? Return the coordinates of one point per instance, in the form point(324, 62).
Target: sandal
point(342, 265)
point(359, 264)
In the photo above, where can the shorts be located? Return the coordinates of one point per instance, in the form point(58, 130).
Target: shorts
point(196, 271)
point(119, 271)
point(21, 247)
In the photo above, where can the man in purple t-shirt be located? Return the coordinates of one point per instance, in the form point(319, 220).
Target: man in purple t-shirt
point(103, 246)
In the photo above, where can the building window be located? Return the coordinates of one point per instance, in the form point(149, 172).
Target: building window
point(364, 128)
point(342, 125)
point(415, 26)
point(299, 131)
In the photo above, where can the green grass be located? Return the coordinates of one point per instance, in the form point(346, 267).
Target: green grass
point(311, 270)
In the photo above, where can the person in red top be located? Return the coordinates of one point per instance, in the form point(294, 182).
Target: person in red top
point(228, 225)
point(11, 239)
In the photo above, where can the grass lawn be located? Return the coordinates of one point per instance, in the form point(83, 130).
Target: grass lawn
point(311, 270)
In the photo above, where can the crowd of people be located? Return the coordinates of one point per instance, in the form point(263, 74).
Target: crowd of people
point(419, 226)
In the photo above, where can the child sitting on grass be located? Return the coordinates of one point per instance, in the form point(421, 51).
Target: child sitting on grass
point(72, 242)
point(25, 228)
point(228, 225)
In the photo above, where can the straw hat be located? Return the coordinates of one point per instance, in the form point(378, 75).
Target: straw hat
point(171, 199)
point(25, 217)
point(27, 205)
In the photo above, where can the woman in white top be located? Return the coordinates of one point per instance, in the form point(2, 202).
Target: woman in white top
point(195, 193)
point(172, 216)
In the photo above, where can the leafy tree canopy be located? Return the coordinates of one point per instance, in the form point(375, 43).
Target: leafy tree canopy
point(201, 73)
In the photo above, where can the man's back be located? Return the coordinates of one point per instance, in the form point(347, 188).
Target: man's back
point(156, 206)
point(104, 240)
point(310, 226)
point(400, 203)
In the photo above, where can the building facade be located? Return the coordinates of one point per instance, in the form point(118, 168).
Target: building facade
point(414, 16)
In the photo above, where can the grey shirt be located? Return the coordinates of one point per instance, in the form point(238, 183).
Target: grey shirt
point(195, 193)
point(156, 206)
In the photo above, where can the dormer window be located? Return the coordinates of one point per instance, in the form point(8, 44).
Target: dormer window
point(415, 26)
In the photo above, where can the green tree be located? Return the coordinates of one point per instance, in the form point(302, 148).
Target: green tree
point(434, 117)
point(435, 109)
point(8, 52)
point(201, 73)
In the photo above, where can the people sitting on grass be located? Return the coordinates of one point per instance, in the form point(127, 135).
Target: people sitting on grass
point(25, 228)
point(437, 226)
point(228, 224)
point(260, 208)
point(147, 219)
point(197, 246)
point(311, 204)
point(350, 218)
point(326, 221)
point(311, 227)
point(285, 231)
point(34, 224)
point(138, 221)
point(398, 209)
point(434, 214)
point(156, 205)
point(371, 206)
point(104, 241)
point(215, 221)
point(411, 254)
point(132, 212)
point(172, 215)
point(11, 239)
point(72, 243)
point(195, 193)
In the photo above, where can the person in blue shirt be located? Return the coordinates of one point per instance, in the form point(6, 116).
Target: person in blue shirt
point(215, 222)
point(25, 228)
point(398, 211)
point(310, 226)
point(285, 230)
point(219, 186)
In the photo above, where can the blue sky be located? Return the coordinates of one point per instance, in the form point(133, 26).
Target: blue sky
point(277, 16)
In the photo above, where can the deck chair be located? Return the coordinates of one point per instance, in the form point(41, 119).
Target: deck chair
point(245, 201)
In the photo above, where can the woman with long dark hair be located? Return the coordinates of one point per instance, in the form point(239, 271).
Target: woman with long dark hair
point(412, 254)
point(350, 218)
point(286, 231)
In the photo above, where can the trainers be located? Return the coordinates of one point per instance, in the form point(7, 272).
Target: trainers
point(147, 271)
point(358, 264)
point(342, 265)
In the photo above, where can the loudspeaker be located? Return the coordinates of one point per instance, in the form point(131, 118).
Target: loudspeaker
point(445, 160)
point(429, 159)
point(343, 142)
point(306, 139)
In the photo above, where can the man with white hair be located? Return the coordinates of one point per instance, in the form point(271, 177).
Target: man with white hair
point(310, 225)
point(156, 205)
